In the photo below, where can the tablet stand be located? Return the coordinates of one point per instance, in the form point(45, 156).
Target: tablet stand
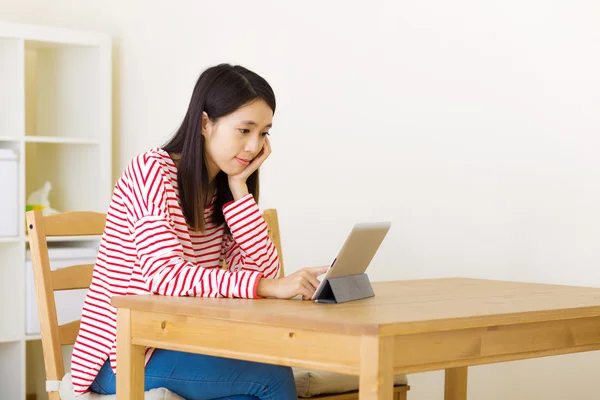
point(345, 288)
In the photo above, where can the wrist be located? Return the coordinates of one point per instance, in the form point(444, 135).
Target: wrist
point(238, 189)
point(266, 287)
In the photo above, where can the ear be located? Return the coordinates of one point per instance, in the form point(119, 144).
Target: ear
point(205, 124)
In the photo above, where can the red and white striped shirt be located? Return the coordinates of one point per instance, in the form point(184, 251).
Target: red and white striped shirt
point(147, 248)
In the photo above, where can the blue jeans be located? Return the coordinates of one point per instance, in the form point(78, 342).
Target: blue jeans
point(200, 377)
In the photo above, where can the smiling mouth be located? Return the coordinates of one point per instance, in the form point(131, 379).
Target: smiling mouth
point(242, 161)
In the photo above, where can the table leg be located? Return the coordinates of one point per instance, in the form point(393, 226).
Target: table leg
point(455, 387)
point(376, 380)
point(130, 360)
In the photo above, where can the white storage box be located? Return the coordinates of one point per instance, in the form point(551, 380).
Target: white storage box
point(69, 303)
point(9, 195)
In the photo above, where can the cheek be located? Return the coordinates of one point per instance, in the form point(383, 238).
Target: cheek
point(224, 147)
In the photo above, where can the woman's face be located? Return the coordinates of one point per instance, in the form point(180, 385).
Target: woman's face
point(235, 139)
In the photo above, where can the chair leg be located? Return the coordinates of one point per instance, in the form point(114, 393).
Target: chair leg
point(400, 396)
point(455, 387)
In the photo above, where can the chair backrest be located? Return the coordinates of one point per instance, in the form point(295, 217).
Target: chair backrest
point(55, 336)
point(270, 216)
point(47, 281)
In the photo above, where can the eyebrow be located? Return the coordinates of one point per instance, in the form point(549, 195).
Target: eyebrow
point(250, 122)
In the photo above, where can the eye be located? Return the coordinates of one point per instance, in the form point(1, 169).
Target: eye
point(265, 133)
point(244, 131)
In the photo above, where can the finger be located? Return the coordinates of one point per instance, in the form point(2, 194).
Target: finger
point(301, 289)
point(311, 278)
point(311, 289)
point(306, 293)
point(258, 160)
point(305, 288)
point(266, 150)
point(316, 271)
point(253, 166)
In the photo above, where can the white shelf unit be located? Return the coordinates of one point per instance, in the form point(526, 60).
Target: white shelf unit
point(55, 113)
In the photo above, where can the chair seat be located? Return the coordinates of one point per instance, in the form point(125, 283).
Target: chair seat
point(66, 393)
point(309, 383)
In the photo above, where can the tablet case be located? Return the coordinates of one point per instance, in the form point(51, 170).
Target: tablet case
point(345, 288)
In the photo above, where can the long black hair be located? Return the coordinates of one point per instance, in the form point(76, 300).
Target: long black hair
point(219, 91)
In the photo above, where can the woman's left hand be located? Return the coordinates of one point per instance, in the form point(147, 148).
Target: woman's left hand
point(237, 182)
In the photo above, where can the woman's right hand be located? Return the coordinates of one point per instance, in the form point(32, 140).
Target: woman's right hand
point(301, 283)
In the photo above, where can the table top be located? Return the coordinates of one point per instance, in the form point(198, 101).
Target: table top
point(399, 307)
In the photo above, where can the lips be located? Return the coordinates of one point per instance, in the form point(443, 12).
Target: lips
point(242, 161)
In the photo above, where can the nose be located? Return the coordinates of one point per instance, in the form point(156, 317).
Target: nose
point(253, 145)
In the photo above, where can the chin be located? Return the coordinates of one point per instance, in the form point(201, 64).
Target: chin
point(231, 169)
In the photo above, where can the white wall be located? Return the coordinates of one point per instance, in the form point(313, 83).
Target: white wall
point(473, 126)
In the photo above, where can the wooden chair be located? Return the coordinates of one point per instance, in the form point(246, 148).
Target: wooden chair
point(47, 281)
point(55, 336)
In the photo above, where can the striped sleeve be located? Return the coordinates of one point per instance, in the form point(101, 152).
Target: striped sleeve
point(249, 248)
point(159, 250)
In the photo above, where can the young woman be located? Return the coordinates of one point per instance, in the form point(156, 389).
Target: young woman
point(176, 213)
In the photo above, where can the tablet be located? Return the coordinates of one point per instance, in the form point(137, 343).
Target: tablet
point(357, 252)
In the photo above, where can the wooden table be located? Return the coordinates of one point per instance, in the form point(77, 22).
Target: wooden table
point(409, 326)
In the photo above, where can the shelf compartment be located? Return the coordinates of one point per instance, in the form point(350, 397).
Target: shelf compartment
point(11, 84)
point(77, 188)
point(10, 197)
point(63, 91)
point(35, 371)
point(12, 370)
point(12, 299)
